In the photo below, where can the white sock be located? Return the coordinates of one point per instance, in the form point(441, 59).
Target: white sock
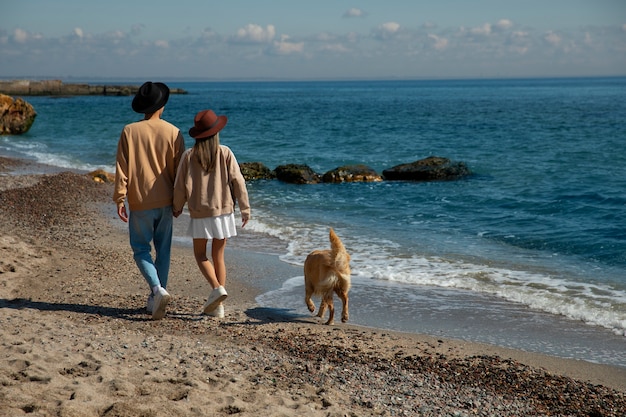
point(155, 289)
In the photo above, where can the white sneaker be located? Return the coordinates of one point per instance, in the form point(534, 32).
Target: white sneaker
point(215, 298)
point(161, 300)
point(218, 312)
point(150, 303)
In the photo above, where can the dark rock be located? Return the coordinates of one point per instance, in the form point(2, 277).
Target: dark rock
point(352, 173)
point(16, 115)
point(256, 171)
point(297, 174)
point(433, 168)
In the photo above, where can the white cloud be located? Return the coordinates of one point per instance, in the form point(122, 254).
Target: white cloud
point(504, 24)
point(334, 47)
point(354, 12)
point(390, 27)
point(519, 42)
point(439, 43)
point(325, 37)
point(285, 47)
point(118, 34)
point(483, 30)
point(552, 38)
point(352, 37)
point(386, 30)
point(256, 33)
point(20, 35)
point(502, 43)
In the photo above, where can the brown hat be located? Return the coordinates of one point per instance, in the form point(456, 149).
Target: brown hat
point(150, 97)
point(206, 124)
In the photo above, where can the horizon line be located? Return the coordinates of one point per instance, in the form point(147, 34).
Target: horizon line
point(287, 79)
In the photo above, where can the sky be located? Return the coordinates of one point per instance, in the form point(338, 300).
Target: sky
point(311, 40)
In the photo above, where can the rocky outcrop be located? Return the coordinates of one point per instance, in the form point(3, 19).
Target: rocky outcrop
point(256, 171)
point(100, 175)
point(58, 88)
point(297, 174)
point(16, 115)
point(303, 174)
point(352, 173)
point(433, 168)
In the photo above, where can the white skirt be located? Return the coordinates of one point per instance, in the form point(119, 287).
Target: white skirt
point(217, 227)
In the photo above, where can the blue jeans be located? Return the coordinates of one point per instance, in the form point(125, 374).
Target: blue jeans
point(145, 227)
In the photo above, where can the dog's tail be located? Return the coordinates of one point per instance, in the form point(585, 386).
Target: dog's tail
point(338, 253)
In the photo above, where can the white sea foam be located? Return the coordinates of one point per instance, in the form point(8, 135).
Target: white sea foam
point(383, 260)
point(40, 153)
point(63, 161)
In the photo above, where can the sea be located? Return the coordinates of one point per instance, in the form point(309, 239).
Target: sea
point(527, 252)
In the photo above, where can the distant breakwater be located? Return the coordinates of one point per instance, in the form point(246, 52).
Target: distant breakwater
point(58, 88)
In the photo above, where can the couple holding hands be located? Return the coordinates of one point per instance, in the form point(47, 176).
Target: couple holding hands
point(156, 176)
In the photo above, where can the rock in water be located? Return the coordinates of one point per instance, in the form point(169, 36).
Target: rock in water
point(352, 173)
point(433, 168)
point(297, 174)
point(16, 115)
point(256, 171)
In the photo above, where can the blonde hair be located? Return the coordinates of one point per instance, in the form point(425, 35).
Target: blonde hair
point(206, 151)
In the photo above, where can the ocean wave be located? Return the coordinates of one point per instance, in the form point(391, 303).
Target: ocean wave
point(39, 152)
point(383, 260)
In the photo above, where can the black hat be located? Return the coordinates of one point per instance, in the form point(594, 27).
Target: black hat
point(150, 97)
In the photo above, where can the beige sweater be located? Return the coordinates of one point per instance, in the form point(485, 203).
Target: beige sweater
point(209, 194)
point(148, 154)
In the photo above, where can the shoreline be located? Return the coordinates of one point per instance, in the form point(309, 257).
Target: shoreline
point(76, 340)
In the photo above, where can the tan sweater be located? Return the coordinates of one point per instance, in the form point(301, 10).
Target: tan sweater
point(148, 154)
point(209, 194)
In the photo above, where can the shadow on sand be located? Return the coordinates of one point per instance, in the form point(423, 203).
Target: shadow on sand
point(259, 315)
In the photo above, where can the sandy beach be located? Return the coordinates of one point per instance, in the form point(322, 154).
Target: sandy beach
point(76, 340)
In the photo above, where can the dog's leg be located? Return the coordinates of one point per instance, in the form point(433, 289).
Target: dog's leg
point(331, 309)
point(322, 310)
point(307, 298)
point(343, 295)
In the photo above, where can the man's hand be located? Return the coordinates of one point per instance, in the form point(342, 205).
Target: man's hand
point(121, 211)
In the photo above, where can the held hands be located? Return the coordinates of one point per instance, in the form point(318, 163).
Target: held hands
point(176, 213)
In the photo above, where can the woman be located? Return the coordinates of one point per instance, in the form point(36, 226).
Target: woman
point(209, 180)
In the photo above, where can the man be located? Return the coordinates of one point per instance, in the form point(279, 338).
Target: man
point(148, 154)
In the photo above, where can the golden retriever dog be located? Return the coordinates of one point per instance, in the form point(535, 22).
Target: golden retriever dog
point(327, 271)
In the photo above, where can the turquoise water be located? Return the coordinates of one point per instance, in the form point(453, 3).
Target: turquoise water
point(536, 236)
